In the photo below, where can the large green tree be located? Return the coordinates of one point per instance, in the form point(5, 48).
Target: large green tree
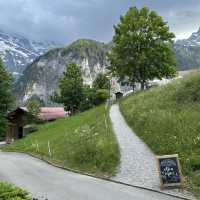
point(6, 99)
point(142, 48)
point(71, 88)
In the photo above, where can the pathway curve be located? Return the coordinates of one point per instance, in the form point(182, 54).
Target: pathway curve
point(46, 181)
point(138, 163)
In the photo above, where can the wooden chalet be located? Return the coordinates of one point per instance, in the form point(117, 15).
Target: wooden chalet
point(18, 119)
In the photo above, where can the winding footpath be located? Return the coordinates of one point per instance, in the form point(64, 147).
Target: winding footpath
point(138, 163)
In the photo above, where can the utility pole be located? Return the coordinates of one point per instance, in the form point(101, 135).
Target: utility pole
point(110, 79)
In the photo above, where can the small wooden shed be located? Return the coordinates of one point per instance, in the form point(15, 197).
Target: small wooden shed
point(118, 95)
point(19, 118)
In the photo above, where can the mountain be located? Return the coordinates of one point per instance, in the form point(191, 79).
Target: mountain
point(17, 51)
point(42, 76)
point(192, 41)
point(188, 52)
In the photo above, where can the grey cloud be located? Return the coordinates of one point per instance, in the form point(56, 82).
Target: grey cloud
point(66, 20)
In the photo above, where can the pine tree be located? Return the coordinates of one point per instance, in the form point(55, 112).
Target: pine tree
point(71, 88)
point(101, 82)
point(6, 98)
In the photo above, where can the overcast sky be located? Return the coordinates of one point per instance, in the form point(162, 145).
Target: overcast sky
point(66, 20)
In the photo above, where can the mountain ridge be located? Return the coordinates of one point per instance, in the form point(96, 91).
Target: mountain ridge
point(188, 52)
point(41, 78)
point(17, 51)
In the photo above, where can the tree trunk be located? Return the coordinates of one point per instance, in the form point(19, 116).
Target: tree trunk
point(133, 87)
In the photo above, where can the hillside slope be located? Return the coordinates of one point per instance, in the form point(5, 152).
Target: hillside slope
point(42, 76)
point(85, 142)
point(167, 119)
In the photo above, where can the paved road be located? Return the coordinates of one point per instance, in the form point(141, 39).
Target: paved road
point(138, 163)
point(53, 183)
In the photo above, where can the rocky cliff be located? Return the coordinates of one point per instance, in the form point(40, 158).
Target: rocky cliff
point(188, 52)
point(42, 76)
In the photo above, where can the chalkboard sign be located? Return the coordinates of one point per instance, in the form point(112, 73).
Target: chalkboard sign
point(169, 169)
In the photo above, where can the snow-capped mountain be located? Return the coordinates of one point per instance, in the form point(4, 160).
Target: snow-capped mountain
point(192, 41)
point(17, 51)
point(188, 52)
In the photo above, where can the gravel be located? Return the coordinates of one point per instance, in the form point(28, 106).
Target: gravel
point(138, 163)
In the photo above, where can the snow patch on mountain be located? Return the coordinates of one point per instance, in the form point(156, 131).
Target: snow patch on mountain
point(192, 41)
point(17, 51)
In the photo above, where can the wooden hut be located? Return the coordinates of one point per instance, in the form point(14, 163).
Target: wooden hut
point(118, 95)
point(19, 118)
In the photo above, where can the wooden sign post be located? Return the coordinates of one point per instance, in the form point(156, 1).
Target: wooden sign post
point(169, 171)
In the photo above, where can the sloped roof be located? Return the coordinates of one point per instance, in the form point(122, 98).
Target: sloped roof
point(47, 113)
point(51, 113)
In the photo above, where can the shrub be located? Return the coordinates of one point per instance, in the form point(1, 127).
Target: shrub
point(189, 90)
point(11, 192)
point(101, 96)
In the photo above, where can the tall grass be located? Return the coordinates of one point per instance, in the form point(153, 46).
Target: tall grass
point(167, 118)
point(11, 192)
point(84, 142)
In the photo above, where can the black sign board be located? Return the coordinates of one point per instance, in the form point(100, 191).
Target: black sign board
point(169, 169)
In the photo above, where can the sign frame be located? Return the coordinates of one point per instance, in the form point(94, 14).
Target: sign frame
point(168, 185)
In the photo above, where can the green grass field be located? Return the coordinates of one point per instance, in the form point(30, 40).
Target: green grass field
point(167, 118)
point(84, 142)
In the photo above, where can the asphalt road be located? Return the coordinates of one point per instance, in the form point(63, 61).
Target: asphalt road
point(46, 181)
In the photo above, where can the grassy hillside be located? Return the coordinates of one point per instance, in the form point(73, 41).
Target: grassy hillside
point(168, 119)
point(84, 142)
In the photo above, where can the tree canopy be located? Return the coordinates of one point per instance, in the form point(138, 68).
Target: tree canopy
point(142, 47)
point(71, 88)
point(6, 99)
point(101, 82)
point(78, 97)
point(33, 107)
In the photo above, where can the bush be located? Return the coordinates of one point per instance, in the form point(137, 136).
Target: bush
point(11, 192)
point(93, 97)
point(101, 96)
point(189, 90)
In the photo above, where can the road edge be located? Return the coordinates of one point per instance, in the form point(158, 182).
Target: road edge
point(95, 176)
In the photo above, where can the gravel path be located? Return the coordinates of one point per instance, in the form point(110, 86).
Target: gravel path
point(138, 163)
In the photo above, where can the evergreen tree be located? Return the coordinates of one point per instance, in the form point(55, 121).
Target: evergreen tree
point(33, 107)
point(142, 48)
point(71, 88)
point(6, 99)
point(101, 82)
